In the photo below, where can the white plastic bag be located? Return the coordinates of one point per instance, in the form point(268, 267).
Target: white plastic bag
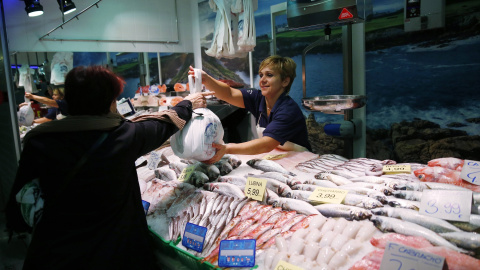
point(26, 115)
point(195, 140)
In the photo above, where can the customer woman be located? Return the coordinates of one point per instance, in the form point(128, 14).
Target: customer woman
point(93, 216)
point(280, 122)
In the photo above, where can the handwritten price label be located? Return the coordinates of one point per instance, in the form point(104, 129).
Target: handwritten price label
point(274, 157)
point(328, 195)
point(447, 204)
point(283, 265)
point(186, 173)
point(393, 169)
point(471, 172)
point(402, 257)
point(255, 188)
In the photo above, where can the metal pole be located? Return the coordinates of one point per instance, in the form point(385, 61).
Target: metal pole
point(347, 80)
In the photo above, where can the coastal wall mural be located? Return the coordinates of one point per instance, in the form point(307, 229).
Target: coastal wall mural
point(420, 85)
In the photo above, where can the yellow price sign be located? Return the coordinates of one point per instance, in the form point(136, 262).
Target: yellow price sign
point(255, 188)
point(328, 195)
point(274, 157)
point(283, 265)
point(186, 173)
point(393, 169)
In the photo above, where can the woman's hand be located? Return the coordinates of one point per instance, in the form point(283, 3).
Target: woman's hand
point(29, 96)
point(221, 151)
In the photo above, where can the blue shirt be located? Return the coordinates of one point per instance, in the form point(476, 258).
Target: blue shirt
point(286, 121)
point(62, 106)
point(52, 113)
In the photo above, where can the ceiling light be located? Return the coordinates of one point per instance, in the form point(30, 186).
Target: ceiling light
point(33, 8)
point(66, 6)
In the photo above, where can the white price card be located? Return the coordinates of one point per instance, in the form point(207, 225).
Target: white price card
point(402, 257)
point(186, 173)
point(447, 204)
point(471, 171)
point(283, 265)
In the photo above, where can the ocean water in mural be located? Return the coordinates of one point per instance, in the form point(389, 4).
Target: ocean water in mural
point(400, 86)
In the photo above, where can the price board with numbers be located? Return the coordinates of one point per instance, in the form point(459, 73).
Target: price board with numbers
point(400, 257)
point(471, 171)
point(328, 195)
point(194, 237)
point(186, 173)
point(447, 204)
point(255, 188)
point(237, 253)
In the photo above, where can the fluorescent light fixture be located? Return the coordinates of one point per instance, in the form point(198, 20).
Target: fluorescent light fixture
point(67, 6)
point(33, 8)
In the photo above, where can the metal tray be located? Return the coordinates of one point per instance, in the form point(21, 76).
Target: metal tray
point(334, 104)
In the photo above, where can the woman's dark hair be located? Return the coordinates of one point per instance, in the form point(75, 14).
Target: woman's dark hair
point(91, 90)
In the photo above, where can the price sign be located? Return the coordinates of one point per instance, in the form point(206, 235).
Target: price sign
point(153, 160)
point(194, 237)
point(393, 169)
point(255, 188)
point(275, 157)
point(402, 257)
point(283, 265)
point(186, 173)
point(471, 172)
point(146, 205)
point(328, 195)
point(447, 204)
point(237, 253)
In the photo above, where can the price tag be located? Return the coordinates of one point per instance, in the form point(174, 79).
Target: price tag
point(283, 265)
point(471, 172)
point(194, 237)
point(275, 157)
point(393, 169)
point(328, 195)
point(139, 161)
point(237, 253)
point(125, 108)
point(447, 204)
point(153, 160)
point(186, 173)
point(255, 188)
point(146, 205)
point(402, 257)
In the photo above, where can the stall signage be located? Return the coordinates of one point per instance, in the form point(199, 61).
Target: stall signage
point(186, 173)
point(194, 237)
point(328, 195)
point(255, 188)
point(283, 265)
point(394, 169)
point(345, 14)
point(402, 257)
point(145, 205)
point(471, 171)
point(237, 253)
point(447, 204)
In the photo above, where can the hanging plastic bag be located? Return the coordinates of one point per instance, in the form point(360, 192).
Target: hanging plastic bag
point(26, 115)
point(195, 140)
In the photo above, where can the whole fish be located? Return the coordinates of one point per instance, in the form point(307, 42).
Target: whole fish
point(268, 166)
point(224, 166)
point(225, 189)
point(305, 187)
point(378, 187)
point(388, 224)
point(346, 211)
point(402, 203)
point(377, 195)
point(239, 181)
point(411, 195)
point(284, 178)
point(198, 178)
point(467, 240)
point(338, 180)
point(361, 201)
point(165, 173)
point(295, 205)
point(435, 224)
point(233, 160)
point(444, 175)
point(321, 183)
point(448, 162)
point(473, 225)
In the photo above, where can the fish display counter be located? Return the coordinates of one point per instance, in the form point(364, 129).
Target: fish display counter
point(305, 210)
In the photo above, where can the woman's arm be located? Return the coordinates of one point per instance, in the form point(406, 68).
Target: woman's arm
point(44, 100)
point(41, 120)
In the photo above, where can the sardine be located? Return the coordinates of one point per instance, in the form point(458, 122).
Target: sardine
point(166, 174)
point(402, 203)
point(268, 166)
point(467, 240)
point(296, 205)
point(388, 224)
point(361, 201)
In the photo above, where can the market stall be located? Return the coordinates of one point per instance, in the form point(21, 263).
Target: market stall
point(289, 226)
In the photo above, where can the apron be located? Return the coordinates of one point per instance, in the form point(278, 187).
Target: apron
point(287, 146)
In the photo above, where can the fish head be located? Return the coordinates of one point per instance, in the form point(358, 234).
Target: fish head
point(426, 174)
point(382, 211)
point(252, 162)
point(287, 193)
point(295, 182)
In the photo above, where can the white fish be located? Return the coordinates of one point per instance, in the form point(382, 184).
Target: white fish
point(346, 211)
point(388, 224)
point(361, 201)
point(268, 166)
point(338, 180)
point(225, 189)
point(165, 174)
point(296, 205)
point(463, 239)
point(402, 203)
point(321, 183)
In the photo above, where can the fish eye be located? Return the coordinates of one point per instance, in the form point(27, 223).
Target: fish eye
point(421, 176)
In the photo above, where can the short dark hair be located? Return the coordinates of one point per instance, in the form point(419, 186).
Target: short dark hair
point(91, 90)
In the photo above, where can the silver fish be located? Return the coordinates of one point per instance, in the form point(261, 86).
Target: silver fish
point(225, 189)
point(224, 166)
point(321, 183)
point(435, 224)
point(388, 224)
point(411, 195)
point(346, 211)
point(472, 226)
point(166, 174)
point(268, 166)
point(402, 203)
point(338, 180)
point(284, 178)
point(361, 201)
point(377, 195)
point(305, 187)
point(239, 181)
point(295, 205)
point(467, 240)
point(233, 160)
